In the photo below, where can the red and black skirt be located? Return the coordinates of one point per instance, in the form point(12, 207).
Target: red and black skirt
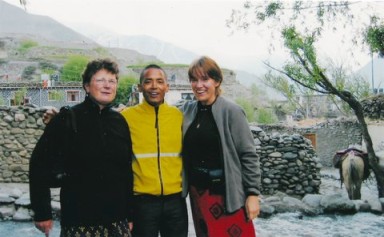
point(211, 220)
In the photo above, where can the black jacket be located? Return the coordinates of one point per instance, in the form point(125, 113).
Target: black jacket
point(98, 189)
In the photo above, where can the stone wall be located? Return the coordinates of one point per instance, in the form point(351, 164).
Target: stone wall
point(288, 163)
point(330, 136)
point(287, 157)
point(374, 107)
point(20, 129)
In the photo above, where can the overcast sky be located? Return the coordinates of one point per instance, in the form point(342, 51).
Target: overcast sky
point(196, 25)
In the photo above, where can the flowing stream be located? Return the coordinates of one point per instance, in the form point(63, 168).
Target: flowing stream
point(284, 225)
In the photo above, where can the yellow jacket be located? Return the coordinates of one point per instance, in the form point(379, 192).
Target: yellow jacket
point(157, 142)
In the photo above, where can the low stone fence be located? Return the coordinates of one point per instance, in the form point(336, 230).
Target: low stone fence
point(374, 107)
point(20, 129)
point(288, 163)
point(329, 136)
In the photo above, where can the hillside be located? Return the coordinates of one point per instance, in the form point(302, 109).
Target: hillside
point(16, 21)
point(27, 41)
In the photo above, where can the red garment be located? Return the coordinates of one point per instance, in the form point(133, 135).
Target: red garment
point(210, 220)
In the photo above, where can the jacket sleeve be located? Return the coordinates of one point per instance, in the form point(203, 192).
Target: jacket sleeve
point(246, 150)
point(130, 181)
point(125, 132)
point(40, 169)
point(38, 180)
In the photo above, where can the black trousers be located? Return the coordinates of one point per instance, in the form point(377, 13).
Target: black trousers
point(166, 215)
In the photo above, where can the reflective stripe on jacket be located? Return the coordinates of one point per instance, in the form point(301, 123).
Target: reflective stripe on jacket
point(156, 135)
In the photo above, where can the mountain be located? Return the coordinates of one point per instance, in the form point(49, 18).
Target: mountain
point(144, 44)
point(17, 24)
point(53, 42)
point(378, 72)
point(15, 21)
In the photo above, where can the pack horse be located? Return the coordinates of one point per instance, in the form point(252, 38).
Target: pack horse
point(354, 169)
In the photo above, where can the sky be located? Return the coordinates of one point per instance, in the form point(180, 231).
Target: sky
point(195, 25)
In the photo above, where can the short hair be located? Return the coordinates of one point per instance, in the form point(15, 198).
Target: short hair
point(208, 67)
point(155, 66)
point(96, 65)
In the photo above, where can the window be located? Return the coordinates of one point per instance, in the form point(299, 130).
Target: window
point(27, 100)
point(53, 95)
point(73, 96)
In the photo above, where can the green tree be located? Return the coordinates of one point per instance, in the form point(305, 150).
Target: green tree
point(28, 72)
point(48, 67)
point(26, 45)
point(56, 95)
point(342, 77)
point(291, 20)
point(374, 36)
point(73, 68)
point(125, 88)
point(266, 116)
point(19, 96)
point(248, 108)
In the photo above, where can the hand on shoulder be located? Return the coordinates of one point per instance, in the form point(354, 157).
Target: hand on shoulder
point(49, 115)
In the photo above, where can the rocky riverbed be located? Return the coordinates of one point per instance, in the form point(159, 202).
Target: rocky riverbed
point(14, 200)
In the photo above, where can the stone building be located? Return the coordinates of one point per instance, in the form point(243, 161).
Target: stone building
point(44, 93)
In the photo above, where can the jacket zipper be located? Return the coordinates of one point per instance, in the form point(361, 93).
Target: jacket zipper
point(158, 149)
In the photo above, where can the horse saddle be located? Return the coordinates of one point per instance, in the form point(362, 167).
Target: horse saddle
point(338, 158)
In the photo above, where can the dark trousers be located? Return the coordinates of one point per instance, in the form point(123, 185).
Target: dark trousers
point(166, 215)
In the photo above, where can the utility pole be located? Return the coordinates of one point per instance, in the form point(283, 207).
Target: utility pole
point(373, 77)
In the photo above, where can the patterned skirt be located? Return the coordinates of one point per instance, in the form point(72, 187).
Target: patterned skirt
point(210, 220)
point(115, 229)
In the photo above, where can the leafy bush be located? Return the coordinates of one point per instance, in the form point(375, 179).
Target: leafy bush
point(56, 95)
point(73, 68)
point(265, 116)
point(28, 72)
point(26, 45)
point(125, 88)
point(19, 96)
point(248, 109)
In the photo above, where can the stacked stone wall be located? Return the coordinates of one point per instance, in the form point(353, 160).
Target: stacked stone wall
point(288, 163)
point(20, 129)
point(331, 136)
point(374, 107)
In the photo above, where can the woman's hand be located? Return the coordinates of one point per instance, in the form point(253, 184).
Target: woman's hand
point(252, 207)
point(44, 226)
point(49, 114)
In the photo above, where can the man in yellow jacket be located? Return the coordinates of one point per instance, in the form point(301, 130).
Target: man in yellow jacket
point(156, 134)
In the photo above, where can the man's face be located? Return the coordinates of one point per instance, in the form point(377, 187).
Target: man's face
point(154, 86)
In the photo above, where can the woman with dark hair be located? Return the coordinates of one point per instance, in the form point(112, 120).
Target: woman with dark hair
point(220, 158)
point(96, 188)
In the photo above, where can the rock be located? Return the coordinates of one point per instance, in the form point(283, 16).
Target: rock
point(362, 206)
point(6, 199)
point(266, 210)
point(24, 201)
point(16, 193)
point(7, 212)
point(22, 214)
point(336, 203)
point(376, 206)
point(312, 200)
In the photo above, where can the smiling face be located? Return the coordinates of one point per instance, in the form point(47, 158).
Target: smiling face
point(205, 77)
point(102, 87)
point(204, 88)
point(154, 85)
